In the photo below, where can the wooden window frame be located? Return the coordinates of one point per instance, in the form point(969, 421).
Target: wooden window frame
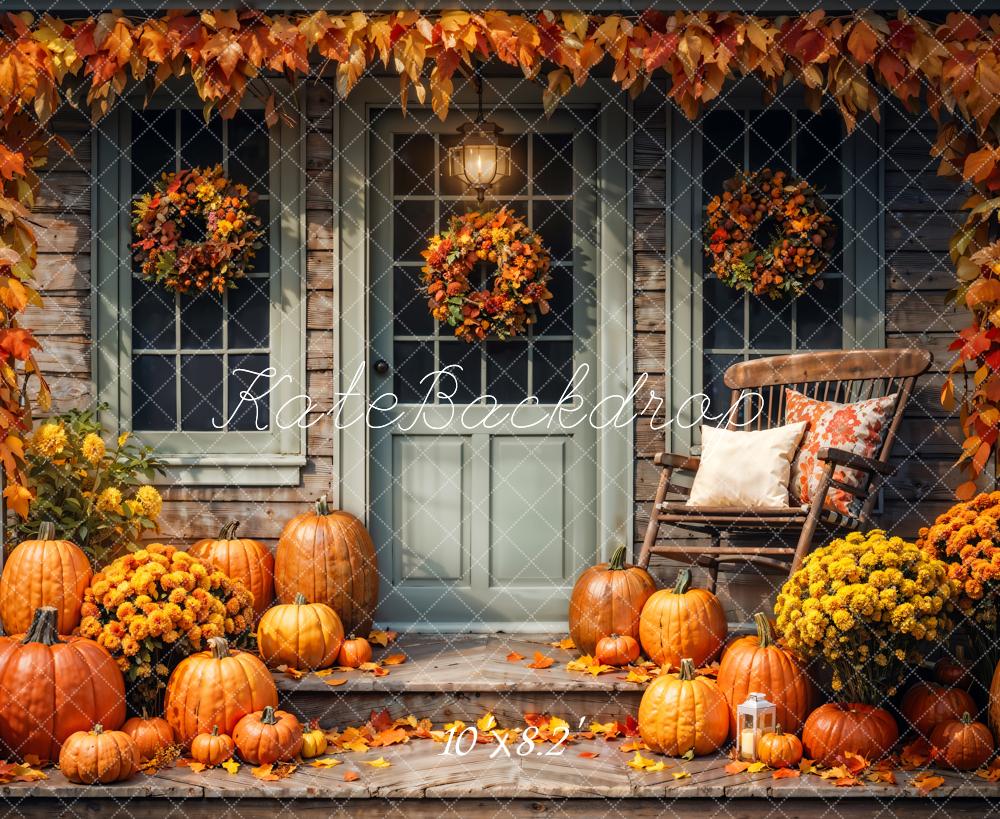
point(258, 458)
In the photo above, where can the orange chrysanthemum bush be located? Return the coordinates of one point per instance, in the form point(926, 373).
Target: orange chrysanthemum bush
point(155, 606)
point(519, 290)
point(784, 264)
point(203, 202)
point(967, 538)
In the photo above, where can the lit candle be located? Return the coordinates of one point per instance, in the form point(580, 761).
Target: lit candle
point(748, 744)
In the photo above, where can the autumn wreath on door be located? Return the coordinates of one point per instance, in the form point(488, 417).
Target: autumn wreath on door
point(792, 257)
point(196, 230)
point(512, 295)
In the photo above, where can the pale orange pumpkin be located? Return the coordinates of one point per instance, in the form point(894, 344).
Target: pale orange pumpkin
point(43, 572)
point(354, 652)
point(300, 635)
point(834, 728)
point(617, 649)
point(758, 663)
point(99, 756)
point(962, 744)
point(926, 704)
point(150, 734)
point(212, 748)
point(241, 558)
point(329, 558)
point(683, 712)
point(216, 687)
point(778, 749)
point(607, 599)
point(53, 687)
point(268, 736)
point(682, 622)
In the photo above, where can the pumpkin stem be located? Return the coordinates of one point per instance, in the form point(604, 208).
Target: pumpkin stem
point(322, 506)
point(219, 647)
point(228, 532)
point(215, 730)
point(683, 581)
point(765, 636)
point(98, 728)
point(300, 599)
point(47, 531)
point(687, 670)
point(268, 717)
point(777, 729)
point(44, 627)
point(617, 560)
point(966, 719)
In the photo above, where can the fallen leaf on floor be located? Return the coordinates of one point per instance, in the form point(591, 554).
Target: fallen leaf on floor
point(325, 762)
point(323, 672)
point(756, 767)
point(588, 754)
point(351, 776)
point(689, 755)
point(374, 668)
point(394, 659)
point(644, 763)
point(381, 762)
point(264, 772)
point(336, 682)
point(807, 766)
point(631, 727)
point(514, 657)
point(381, 720)
point(382, 638)
point(565, 643)
point(681, 775)
point(33, 761)
point(19, 772)
point(736, 766)
point(847, 782)
point(487, 722)
point(636, 676)
point(295, 674)
point(609, 729)
point(786, 773)
point(390, 736)
point(915, 754)
point(991, 773)
point(196, 767)
point(541, 661)
point(925, 782)
point(231, 766)
point(634, 745)
point(886, 777)
point(854, 763)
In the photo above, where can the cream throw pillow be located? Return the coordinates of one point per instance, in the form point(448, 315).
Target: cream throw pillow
point(745, 469)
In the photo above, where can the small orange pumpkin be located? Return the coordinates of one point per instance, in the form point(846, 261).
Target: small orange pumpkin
point(682, 622)
point(300, 635)
point(779, 750)
point(617, 649)
point(268, 736)
point(962, 744)
point(354, 652)
point(150, 734)
point(241, 558)
point(926, 704)
point(862, 729)
point(212, 748)
point(89, 757)
point(683, 712)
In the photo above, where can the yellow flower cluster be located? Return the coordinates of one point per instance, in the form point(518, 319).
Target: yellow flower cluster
point(49, 440)
point(866, 604)
point(92, 448)
point(155, 606)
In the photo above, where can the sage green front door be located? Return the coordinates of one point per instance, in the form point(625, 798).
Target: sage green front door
point(480, 515)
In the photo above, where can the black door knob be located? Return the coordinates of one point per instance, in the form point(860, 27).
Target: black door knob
point(382, 367)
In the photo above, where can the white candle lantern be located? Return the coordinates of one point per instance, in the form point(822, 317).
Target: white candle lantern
point(755, 717)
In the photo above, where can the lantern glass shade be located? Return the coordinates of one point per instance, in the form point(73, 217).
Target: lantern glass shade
point(479, 160)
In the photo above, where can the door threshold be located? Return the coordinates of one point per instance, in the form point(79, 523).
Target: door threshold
point(429, 627)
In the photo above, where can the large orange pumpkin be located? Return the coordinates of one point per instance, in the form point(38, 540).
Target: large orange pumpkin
point(682, 622)
point(52, 687)
point(329, 558)
point(962, 744)
point(757, 663)
point(607, 599)
point(99, 756)
point(300, 635)
point(683, 712)
point(242, 559)
point(217, 687)
point(926, 704)
point(834, 728)
point(268, 736)
point(43, 572)
point(150, 734)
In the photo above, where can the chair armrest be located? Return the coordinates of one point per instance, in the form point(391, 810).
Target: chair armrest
point(685, 462)
point(841, 457)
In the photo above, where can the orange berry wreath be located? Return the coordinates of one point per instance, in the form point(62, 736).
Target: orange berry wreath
point(519, 289)
point(204, 202)
point(796, 254)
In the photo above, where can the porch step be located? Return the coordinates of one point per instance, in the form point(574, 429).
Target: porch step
point(463, 676)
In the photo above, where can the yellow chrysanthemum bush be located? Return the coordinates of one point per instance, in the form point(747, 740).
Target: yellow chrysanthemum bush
point(868, 605)
point(155, 606)
point(93, 487)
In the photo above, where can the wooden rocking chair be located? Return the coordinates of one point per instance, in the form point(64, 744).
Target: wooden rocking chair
point(843, 376)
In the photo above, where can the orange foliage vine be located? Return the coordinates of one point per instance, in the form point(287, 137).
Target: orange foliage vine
point(951, 69)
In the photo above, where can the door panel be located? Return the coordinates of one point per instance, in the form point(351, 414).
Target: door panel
point(477, 518)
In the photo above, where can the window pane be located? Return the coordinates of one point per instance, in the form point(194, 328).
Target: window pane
point(722, 149)
point(507, 370)
point(152, 316)
point(249, 314)
point(153, 147)
point(413, 164)
point(411, 316)
point(249, 146)
point(154, 396)
point(559, 320)
point(516, 184)
point(262, 258)
point(771, 140)
point(715, 367)
point(201, 392)
point(201, 321)
point(552, 170)
point(722, 315)
point(413, 361)
point(552, 369)
point(820, 317)
point(770, 323)
point(250, 415)
point(553, 221)
point(201, 142)
point(413, 224)
point(469, 378)
point(819, 145)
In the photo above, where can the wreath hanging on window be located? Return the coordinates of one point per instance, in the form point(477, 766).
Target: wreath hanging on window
point(512, 296)
point(802, 237)
point(196, 230)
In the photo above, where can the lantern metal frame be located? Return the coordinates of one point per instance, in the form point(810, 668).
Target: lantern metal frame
point(762, 715)
point(480, 135)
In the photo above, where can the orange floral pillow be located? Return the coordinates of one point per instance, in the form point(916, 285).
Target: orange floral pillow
point(857, 428)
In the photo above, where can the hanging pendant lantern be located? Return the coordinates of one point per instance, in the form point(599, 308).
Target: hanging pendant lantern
point(479, 160)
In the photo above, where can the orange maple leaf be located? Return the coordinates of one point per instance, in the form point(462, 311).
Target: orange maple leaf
point(541, 661)
point(514, 657)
